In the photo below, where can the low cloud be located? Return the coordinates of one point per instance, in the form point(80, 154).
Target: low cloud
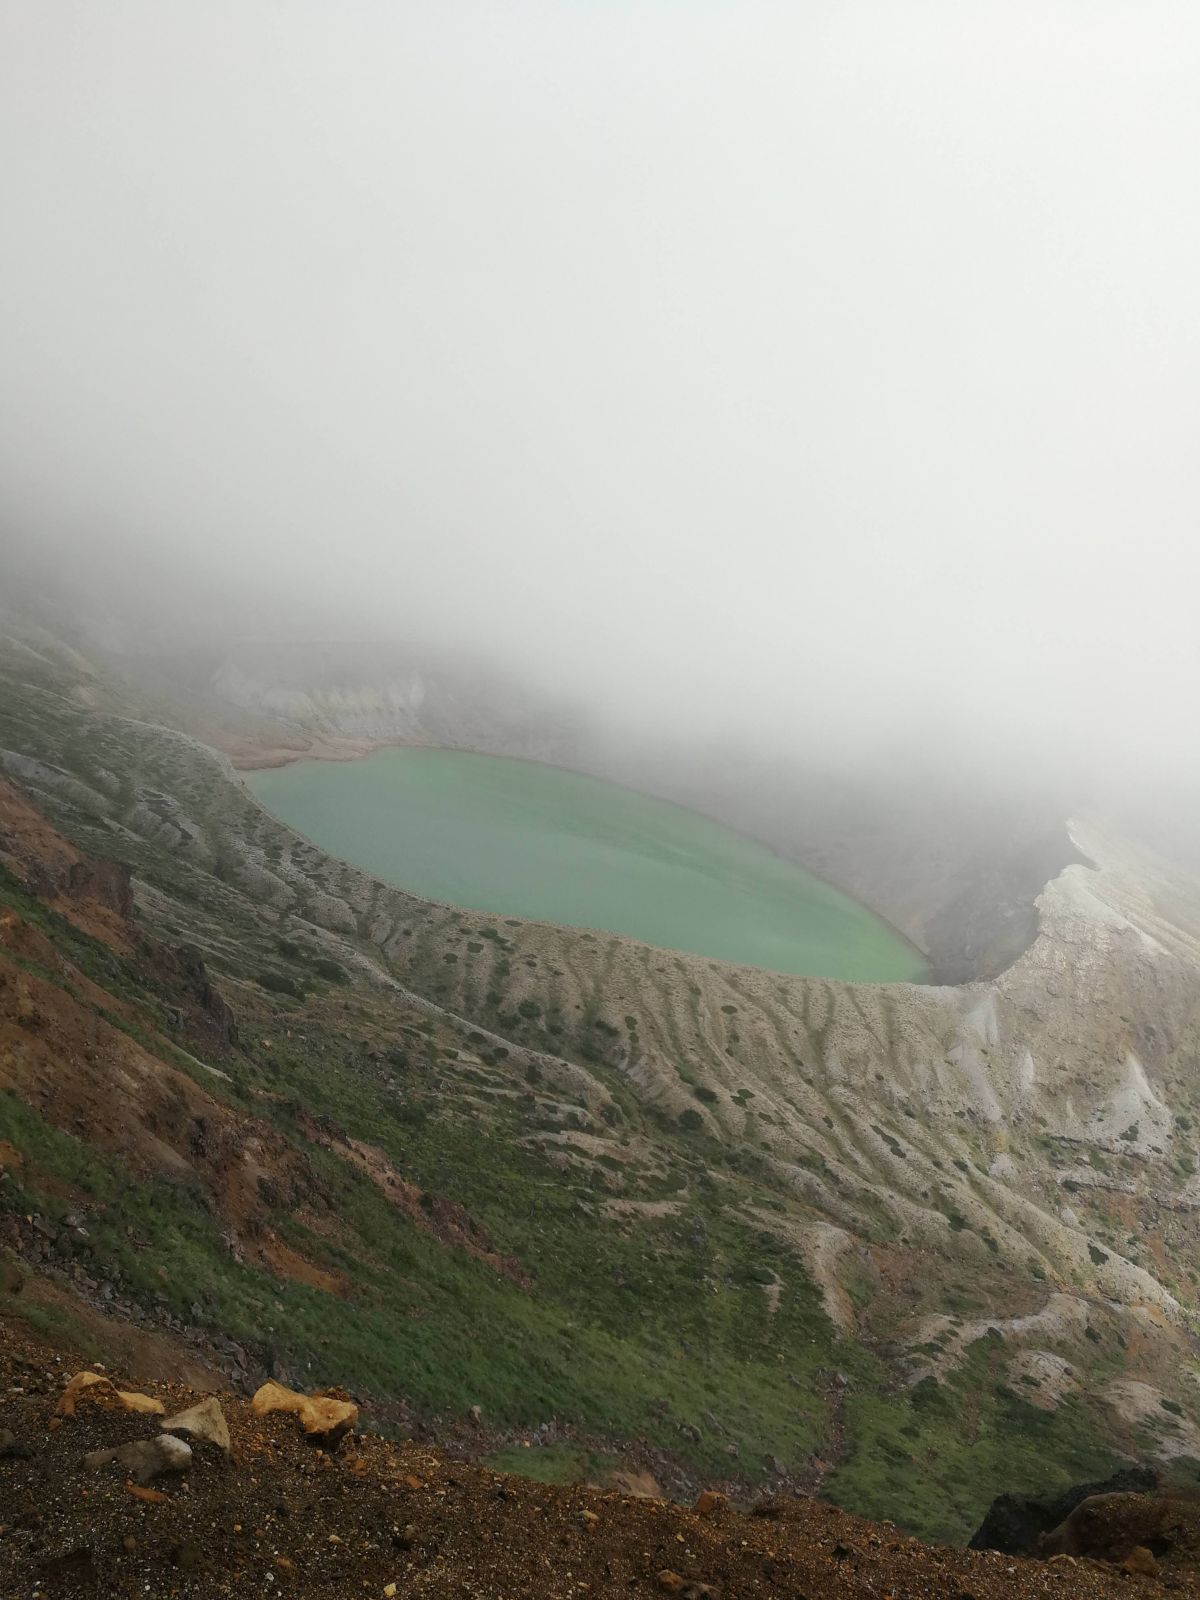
point(825, 376)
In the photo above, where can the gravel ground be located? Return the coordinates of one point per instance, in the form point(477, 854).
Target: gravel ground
point(279, 1516)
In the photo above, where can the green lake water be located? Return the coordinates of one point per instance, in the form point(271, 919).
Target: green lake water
point(523, 840)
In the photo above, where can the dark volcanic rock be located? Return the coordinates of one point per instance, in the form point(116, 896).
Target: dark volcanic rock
point(108, 882)
point(214, 1017)
point(1015, 1522)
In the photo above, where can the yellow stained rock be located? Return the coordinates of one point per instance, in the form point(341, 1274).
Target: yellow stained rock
point(708, 1501)
point(98, 1390)
point(320, 1415)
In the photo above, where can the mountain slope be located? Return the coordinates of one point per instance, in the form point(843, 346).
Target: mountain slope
point(914, 1244)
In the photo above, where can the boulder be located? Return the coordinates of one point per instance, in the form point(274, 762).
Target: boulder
point(205, 1420)
point(96, 1389)
point(145, 1459)
point(708, 1501)
point(1126, 1528)
point(325, 1419)
point(1015, 1523)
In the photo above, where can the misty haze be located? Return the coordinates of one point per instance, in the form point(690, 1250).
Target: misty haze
point(599, 864)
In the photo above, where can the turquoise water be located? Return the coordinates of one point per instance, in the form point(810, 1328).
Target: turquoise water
point(524, 840)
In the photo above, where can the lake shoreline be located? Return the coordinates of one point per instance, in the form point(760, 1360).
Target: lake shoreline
point(812, 916)
point(256, 756)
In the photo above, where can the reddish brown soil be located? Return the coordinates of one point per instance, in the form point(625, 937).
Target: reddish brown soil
point(155, 1356)
point(285, 1262)
point(94, 895)
point(91, 1079)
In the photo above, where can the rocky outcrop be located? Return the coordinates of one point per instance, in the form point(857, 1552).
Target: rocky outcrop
point(1016, 1523)
point(107, 883)
point(200, 1003)
point(1136, 1530)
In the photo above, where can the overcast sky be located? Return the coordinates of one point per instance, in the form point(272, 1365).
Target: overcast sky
point(734, 360)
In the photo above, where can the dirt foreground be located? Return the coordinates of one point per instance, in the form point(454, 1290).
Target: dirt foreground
point(283, 1513)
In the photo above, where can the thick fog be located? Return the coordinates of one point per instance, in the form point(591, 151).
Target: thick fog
point(830, 366)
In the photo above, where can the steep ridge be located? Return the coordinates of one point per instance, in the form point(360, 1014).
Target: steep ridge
point(900, 1241)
